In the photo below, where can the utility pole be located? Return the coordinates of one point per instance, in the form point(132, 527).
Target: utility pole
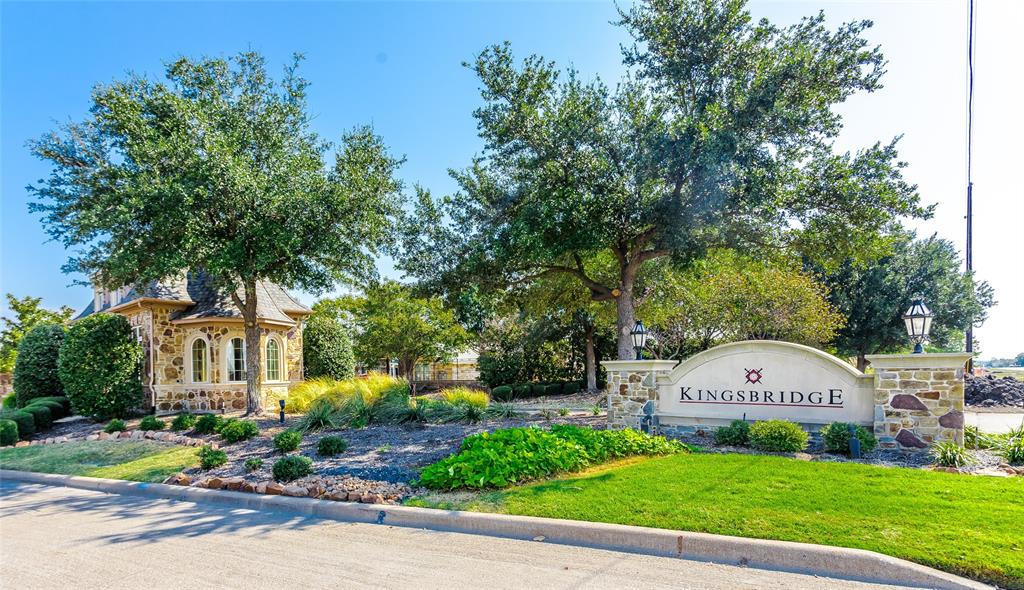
point(969, 251)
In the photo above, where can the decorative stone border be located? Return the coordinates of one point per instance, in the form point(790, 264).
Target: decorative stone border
point(338, 488)
point(157, 435)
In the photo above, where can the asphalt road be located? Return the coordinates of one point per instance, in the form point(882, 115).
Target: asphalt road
point(54, 538)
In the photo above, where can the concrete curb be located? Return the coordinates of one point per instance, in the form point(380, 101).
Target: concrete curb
point(819, 560)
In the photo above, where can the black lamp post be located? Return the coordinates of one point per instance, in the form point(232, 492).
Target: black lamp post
point(919, 322)
point(639, 334)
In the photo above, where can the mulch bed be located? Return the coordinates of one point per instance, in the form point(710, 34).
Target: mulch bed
point(993, 392)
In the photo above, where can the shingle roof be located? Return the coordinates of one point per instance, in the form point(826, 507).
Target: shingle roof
point(272, 302)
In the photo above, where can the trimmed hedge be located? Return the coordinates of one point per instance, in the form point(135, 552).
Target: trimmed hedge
point(238, 430)
point(510, 392)
point(8, 432)
point(36, 367)
point(331, 445)
point(502, 393)
point(736, 434)
point(780, 436)
point(41, 414)
point(151, 423)
point(56, 408)
point(26, 423)
point(59, 399)
point(99, 367)
point(327, 349)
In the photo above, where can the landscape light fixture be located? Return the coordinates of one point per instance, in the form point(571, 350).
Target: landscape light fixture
point(639, 334)
point(919, 322)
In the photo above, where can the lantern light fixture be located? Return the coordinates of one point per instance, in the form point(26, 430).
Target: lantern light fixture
point(918, 320)
point(639, 334)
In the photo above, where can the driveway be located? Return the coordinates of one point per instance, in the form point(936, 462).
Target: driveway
point(53, 537)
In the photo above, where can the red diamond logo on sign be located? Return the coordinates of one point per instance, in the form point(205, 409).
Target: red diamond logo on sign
point(754, 375)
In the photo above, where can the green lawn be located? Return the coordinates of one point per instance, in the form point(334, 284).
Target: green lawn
point(142, 460)
point(969, 525)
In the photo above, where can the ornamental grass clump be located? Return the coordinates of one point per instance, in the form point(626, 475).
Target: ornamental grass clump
point(1013, 451)
point(466, 396)
point(778, 436)
point(514, 455)
point(948, 453)
point(836, 437)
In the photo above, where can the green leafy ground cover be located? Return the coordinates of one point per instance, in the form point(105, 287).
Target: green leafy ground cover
point(968, 525)
point(131, 460)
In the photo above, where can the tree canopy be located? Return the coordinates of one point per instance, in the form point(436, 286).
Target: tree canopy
point(216, 168)
point(720, 136)
point(874, 297)
point(392, 322)
point(728, 297)
point(28, 313)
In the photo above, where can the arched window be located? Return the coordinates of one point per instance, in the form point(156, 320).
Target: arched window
point(199, 356)
point(236, 360)
point(273, 360)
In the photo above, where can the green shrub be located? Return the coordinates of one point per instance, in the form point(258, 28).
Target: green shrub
point(331, 445)
point(736, 434)
point(287, 441)
point(836, 437)
point(8, 432)
point(56, 399)
point(327, 349)
point(115, 425)
point(183, 422)
point(948, 453)
point(56, 408)
point(151, 423)
point(779, 436)
point(521, 390)
point(553, 389)
point(537, 389)
point(253, 464)
point(514, 455)
point(41, 414)
point(208, 424)
point(1013, 450)
point(292, 467)
point(238, 430)
point(211, 458)
point(10, 402)
point(572, 387)
point(99, 366)
point(25, 421)
point(502, 393)
point(36, 366)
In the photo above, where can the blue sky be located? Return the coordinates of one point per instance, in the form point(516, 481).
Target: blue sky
point(398, 66)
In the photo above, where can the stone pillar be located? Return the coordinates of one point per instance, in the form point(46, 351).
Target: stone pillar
point(630, 385)
point(919, 399)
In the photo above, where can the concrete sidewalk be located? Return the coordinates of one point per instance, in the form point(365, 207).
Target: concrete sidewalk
point(56, 537)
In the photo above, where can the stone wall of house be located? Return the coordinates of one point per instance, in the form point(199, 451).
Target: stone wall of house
point(919, 399)
point(166, 352)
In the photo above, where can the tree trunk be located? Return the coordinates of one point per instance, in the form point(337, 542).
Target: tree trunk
point(405, 368)
point(862, 363)
point(253, 370)
point(590, 358)
point(625, 314)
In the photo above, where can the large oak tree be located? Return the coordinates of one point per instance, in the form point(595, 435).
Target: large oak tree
point(721, 135)
point(216, 168)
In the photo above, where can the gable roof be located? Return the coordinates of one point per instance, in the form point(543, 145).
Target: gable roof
point(205, 301)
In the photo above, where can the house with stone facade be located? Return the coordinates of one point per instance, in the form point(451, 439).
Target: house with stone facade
point(194, 341)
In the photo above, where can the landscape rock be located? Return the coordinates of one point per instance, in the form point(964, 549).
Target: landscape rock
point(261, 488)
point(295, 491)
point(990, 391)
point(909, 439)
point(903, 401)
point(233, 483)
point(274, 489)
point(215, 483)
point(93, 437)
